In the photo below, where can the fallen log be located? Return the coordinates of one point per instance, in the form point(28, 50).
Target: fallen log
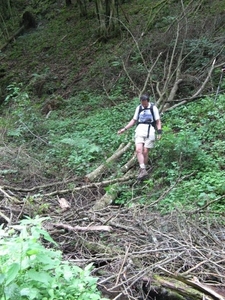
point(102, 168)
point(111, 194)
point(193, 283)
point(169, 288)
point(129, 164)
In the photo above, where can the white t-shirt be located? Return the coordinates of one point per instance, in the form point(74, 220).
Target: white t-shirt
point(145, 115)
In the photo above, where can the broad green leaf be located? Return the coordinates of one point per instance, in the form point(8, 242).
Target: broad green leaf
point(31, 293)
point(12, 273)
point(39, 276)
point(2, 278)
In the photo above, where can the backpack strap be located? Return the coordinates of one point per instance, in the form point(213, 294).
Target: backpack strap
point(152, 112)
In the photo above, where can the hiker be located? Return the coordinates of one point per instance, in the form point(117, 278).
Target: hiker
point(145, 131)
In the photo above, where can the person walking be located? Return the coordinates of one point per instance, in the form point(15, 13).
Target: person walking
point(145, 115)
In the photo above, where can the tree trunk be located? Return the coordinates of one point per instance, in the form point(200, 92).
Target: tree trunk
point(107, 13)
point(82, 7)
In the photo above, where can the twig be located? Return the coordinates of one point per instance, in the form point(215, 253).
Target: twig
point(121, 268)
point(5, 217)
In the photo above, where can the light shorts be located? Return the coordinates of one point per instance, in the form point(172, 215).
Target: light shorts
point(148, 142)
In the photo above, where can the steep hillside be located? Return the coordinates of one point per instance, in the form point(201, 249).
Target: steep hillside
point(64, 55)
point(65, 92)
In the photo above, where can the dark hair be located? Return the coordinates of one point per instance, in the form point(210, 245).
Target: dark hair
point(144, 97)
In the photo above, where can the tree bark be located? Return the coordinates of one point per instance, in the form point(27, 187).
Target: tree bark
point(103, 168)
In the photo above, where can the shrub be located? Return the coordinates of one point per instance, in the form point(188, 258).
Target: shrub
point(36, 272)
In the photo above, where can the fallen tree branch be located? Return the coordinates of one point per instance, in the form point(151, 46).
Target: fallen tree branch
point(110, 195)
point(91, 185)
point(13, 199)
point(97, 172)
point(5, 217)
point(39, 187)
point(85, 228)
point(129, 164)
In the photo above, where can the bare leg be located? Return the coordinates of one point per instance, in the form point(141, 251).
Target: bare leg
point(142, 156)
point(145, 154)
point(140, 153)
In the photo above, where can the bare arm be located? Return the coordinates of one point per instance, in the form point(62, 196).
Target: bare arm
point(159, 129)
point(158, 124)
point(129, 125)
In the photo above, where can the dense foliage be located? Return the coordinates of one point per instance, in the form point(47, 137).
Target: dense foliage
point(37, 272)
point(189, 157)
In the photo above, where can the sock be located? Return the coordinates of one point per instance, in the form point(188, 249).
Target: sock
point(142, 166)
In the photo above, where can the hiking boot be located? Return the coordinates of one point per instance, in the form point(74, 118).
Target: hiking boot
point(142, 173)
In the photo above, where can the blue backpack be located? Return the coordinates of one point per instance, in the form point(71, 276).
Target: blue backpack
point(153, 123)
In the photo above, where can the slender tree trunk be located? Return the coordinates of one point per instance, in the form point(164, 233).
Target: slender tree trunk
point(107, 12)
point(82, 7)
point(99, 4)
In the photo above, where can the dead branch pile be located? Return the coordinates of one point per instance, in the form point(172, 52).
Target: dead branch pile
point(136, 253)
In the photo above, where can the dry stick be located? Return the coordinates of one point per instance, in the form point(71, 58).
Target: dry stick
point(170, 74)
point(194, 268)
point(118, 296)
point(129, 164)
point(91, 185)
point(110, 195)
point(206, 259)
point(128, 75)
point(184, 274)
point(207, 204)
point(141, 273)
point(86, 228)
point(18, 32)
point(39, 186)
point(125, 289)
point(5, 217)
point(14, 199)
point(204, 234)
point(124, 260)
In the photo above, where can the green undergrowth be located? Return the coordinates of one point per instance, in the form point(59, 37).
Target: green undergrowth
point(38, 272)
point(187, 164)
point(188, 160)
